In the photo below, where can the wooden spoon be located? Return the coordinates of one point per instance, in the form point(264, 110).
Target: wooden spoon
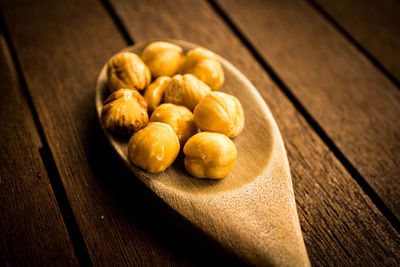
point(252, 211)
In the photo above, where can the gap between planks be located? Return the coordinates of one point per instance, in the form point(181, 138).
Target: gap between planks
point(118, 23)
point(369, 191)
point(64, 206)
point(353, 41)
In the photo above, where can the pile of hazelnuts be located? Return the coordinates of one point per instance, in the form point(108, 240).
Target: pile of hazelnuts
point(180, 93)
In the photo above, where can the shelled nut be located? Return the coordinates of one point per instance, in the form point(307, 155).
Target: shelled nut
point(155, 92)
point(162, 58)
point(203, 64)
point(185, 90)
point(178, 117)
point(220, 112)
point(209, 155)
point(154, 147)
point(124, 111)
point(127, 70)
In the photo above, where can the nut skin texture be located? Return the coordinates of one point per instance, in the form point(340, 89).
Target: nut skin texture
point(127, 70)
point(179, 118)
point(209, 155)
point(124, 111)
point(220, 112)
point(154, 147)
point(185, 90)
point(163, 58)
point(155, 92)
point(203, 64)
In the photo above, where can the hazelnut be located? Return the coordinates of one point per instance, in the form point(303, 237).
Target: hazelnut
point(124, 111)
point(178, 117)
point(155, 92)
point(185, 90)
point(154, 147)
point(209, 155)
point(127, 70)
point(195, 55)
point(220, 112)
point(203, 64)
point(162, 58)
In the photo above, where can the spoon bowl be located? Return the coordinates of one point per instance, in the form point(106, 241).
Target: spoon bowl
point(252, 211)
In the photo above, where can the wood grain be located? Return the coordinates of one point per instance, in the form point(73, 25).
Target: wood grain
point(32, 229)
point(340, 224)
point(375, 25)
point(61, 47)
point(355, 104)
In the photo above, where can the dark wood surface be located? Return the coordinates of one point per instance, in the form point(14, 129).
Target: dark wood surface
point(326, 85)
point(32, 229)
point(341, 90)
point(374, 25)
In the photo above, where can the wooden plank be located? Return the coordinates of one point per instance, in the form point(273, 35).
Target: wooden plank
point(375, 25)
point(355, 104)
point(61, 47)
point(32, 228)
point(340, 224)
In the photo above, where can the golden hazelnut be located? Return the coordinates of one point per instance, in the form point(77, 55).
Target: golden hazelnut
point(162, 58)
point(220, 112)
point(124, 111)
point(209, 155)
point(127, 70)
point(154, 147)
point(155, 91)
point(195, 55)
point(185, 90)
point(203, 64)
point(178, 117)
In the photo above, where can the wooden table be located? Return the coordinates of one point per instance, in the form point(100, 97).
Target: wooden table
point(328, 70)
